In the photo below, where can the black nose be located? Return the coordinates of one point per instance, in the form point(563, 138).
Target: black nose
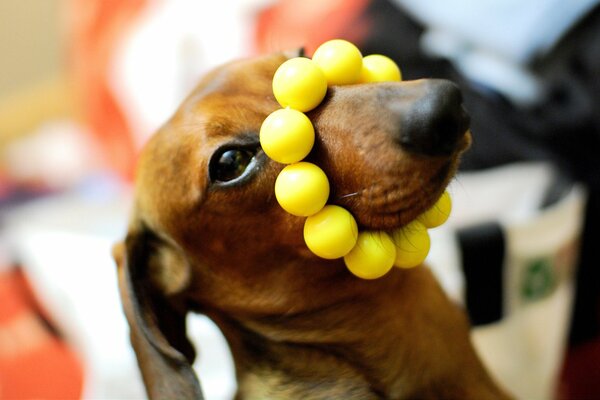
point(432, 120)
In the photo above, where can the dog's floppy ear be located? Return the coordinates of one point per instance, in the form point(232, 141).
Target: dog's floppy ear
point(156, 320)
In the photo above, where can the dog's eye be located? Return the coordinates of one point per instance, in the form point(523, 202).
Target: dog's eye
point(230, 164)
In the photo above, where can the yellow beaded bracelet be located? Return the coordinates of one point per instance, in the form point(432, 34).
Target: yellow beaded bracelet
point(302, 189)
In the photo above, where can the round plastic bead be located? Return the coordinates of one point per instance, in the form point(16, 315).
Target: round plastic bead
point(378, 68)
point(287, 136)
point(412, 245)
point(373, 256)
point(439, 213)
point(331, 233)
point(299, 83)
point(340, 60)
point(302, 189)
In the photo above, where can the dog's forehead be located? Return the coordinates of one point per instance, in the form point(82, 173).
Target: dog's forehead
point(230, 100)
point(237, 93)
point(243, 75)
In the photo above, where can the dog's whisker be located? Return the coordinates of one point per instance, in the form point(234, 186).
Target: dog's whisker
point(349, 195)
point(457, 182)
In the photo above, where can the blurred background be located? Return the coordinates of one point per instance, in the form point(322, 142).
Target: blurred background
point(83, 84)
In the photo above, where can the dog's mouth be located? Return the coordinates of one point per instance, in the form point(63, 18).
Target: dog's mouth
point(393, 201)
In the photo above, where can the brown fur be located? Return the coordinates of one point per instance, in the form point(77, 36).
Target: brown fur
point(298, 326)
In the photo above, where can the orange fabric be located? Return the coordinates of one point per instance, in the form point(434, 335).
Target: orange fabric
point(290, 24)
point(48, 372)
point(34, 363)
point(96, 28)
point(11, 303)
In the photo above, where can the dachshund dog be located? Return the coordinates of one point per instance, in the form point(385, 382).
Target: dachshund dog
point(208, 236)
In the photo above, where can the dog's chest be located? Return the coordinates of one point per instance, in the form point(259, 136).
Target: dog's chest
point(267, 384)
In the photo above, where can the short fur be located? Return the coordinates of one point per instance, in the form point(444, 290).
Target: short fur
point(298, 326)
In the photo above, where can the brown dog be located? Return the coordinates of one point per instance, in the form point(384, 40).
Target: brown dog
point(207, 235)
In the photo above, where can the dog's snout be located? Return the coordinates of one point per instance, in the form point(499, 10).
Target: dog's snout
point(434, 119)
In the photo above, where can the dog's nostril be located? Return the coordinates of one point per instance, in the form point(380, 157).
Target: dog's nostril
point(435, 121)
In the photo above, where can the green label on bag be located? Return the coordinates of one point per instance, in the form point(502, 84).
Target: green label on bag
point(539, 280)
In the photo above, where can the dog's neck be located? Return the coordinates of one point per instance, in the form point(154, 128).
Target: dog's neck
point(341, 336)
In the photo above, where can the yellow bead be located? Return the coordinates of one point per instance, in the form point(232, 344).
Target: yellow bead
point(378, 68)
point(331, 233)
point(299, 83)
point(287, 136)
point(373, 256)
point(439, 213)
point(412, 245)
point(302, 189)
point(340, 60)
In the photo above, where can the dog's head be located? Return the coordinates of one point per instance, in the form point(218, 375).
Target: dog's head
point(207, 232)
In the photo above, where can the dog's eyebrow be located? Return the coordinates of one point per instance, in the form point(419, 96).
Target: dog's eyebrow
point(218, 128)
point(244, 139)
